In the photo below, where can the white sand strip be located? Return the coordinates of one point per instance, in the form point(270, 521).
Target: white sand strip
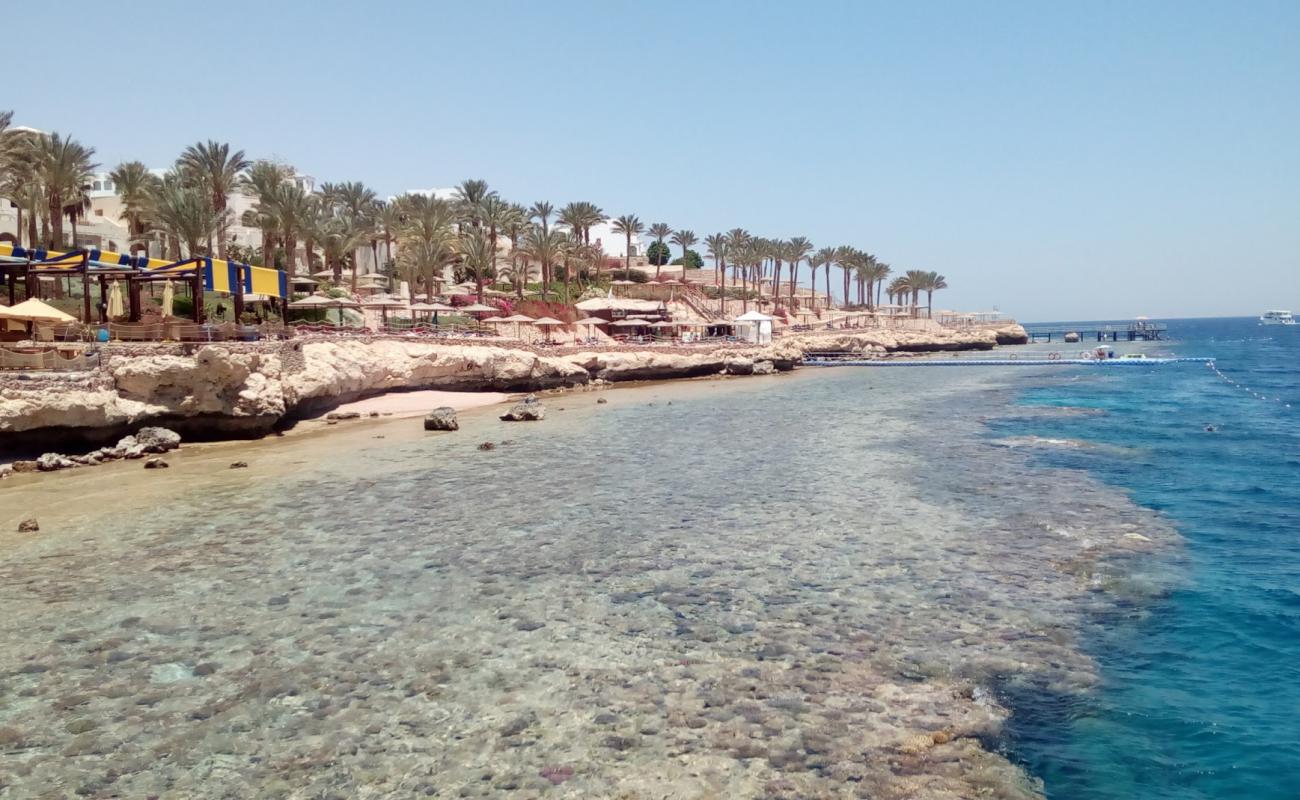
point(404, 403)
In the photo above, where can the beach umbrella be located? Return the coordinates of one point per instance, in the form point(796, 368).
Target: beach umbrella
point(34, 310)
point(547, 323)
point(477, 308)
point(517, 319)
point(168, 299)
point(115, 301)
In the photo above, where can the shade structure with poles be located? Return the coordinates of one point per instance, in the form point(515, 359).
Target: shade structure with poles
point(476, 308)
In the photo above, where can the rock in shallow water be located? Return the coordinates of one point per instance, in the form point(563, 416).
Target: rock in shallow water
point(29, 525)
point(530, 409)
point(441, 419)
point(156, 463)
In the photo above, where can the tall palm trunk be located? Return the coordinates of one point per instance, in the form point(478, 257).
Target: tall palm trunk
point(744, 290)
point(56, 222)
point(812, 269)
point(219, 203)
point(722, 290)
point(830, 302)
point(627, 264)
point(18, 229)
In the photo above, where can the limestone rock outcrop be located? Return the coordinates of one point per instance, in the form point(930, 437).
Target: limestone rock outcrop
point(530, 409)
point(441, 419)
point(221, 391)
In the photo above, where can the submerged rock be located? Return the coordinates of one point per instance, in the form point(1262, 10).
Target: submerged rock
point(487, 446)
point(155, 463)
point(343, 415)
point(530, 409)
point(441, 419)
point(29, 525)
point(239, 465)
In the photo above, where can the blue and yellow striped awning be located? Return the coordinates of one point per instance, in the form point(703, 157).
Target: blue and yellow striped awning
point(218, 275)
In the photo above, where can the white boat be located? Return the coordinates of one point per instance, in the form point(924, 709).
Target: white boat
point(1276, 318)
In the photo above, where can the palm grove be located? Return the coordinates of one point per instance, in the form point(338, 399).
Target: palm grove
point(186, 211)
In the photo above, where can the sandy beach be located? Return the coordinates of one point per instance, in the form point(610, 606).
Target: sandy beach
point(414, 403)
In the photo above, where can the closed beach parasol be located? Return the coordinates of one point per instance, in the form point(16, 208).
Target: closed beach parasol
point(115, 301)
point(168, 299)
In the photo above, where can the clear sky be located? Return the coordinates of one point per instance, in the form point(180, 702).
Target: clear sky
point(1055, 160)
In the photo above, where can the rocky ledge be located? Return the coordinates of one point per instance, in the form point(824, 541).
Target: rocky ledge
point(224, 391)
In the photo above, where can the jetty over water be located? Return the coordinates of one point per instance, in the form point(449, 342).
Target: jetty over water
point(1139, 331)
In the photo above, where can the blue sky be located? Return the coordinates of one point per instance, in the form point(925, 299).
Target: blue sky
point(1055, 160)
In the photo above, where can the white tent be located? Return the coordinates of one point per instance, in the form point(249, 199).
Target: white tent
point(754, 327)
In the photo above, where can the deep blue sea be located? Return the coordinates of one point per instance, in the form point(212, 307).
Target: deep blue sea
point(1200, 696)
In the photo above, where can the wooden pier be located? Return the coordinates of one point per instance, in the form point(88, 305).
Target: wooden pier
point(1135, 332)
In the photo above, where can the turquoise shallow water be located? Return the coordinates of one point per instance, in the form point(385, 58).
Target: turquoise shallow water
point(1200, 691)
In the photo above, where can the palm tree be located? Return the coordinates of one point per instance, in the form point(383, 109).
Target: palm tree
point(880, 271)
point(916, 280)
point(61, 166)
point(660, 231)
point(629, 225)
point(542, 211)
point(469, 197)
point(580, 217)
point(546, 247)
point(737, 241)
point(340, 236)
point(514, 222)
point(824, 257)
point(215, 168)
point(478, 255)
point(389, 219)
point(684, 239)
point(357, 203)
point(899, 289)
point(813, 264)
point(133, 182)
point(426, 241)
point(185, 213)
point(844, 255)
point(798, 250)
point(292, 208)
point(933, 283)
point(263, 180)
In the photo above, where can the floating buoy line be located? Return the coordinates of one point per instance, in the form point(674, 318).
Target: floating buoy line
point(1236, 385)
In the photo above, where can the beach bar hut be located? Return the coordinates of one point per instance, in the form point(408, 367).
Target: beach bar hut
point(754, 327)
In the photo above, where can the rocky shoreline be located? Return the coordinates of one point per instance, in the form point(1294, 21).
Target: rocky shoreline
point(237, 390)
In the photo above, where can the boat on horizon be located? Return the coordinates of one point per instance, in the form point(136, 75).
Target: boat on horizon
point(1276, 318)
